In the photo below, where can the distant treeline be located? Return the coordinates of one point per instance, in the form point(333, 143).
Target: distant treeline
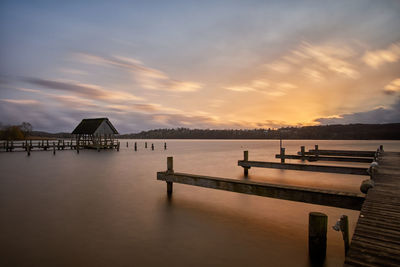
point(328, 132)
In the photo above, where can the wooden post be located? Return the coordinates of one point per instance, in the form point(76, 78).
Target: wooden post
point(381, 148)
point(246, 158)
point(63, 144)
point(145, 144)
point(316, 152)
point(303, 150)
point(282, 155)
point(344, 227)
point(170, 170)
point(29, 150)
point(152, 146)
point(135, 146)
point(118, 144)
point(127, 144)
point(77, 147)
point(317, 229)
point(165, 145)
point(54, 148)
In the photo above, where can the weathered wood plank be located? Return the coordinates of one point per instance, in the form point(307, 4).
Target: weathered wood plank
point(323, 158)
point(348, 153)
point(304, 167)
point(292, 193)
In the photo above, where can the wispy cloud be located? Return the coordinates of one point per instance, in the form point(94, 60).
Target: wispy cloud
point(314, 59)
point(393, 87)
point(21, 101)
point(148, 78)
point(263, 86)
point(87, 90)
point(377, 58)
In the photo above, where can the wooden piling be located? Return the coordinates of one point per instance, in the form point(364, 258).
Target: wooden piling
point(165, 146)
point(152, 146)
point(344, 227)
point(317, 229)
point(316, 152)
point(282, 155)
point(54, 148)
point(127, 144)
point(118, 144)
point(302, 153)
point(29, 150)
point(246, 158)
point(145, 144)
point(135, 146)
point(170, 170)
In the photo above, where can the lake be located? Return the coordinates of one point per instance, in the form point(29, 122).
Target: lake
point(107, 208)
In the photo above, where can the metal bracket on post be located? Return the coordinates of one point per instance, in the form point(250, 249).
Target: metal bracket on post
point(342, 225)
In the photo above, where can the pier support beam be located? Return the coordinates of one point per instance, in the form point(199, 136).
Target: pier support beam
point(246, 158)
point(170, 170)
point(317, 229)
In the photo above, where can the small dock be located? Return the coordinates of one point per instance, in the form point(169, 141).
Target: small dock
point(376, 239)
point(52, 145)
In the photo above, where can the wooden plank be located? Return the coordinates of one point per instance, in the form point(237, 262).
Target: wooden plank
point(292, 193)
point(304, 167)
point(348, 153)
point(324, 158)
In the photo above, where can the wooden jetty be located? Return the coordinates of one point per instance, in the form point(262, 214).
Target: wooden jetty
point(376, 238)
point(52, 144)
point(292, 193)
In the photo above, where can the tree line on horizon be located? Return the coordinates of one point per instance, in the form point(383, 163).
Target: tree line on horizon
point(325, 132)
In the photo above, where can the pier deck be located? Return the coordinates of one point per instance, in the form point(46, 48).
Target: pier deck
point(376, 239)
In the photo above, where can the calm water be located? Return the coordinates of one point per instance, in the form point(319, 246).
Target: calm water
point(108, 209)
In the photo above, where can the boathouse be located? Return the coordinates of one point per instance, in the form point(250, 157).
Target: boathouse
point(95, 133)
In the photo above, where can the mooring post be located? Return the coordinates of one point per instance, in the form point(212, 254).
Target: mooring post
point(29, 150)
point(152, 146)
point(54, 148)
point(118, 144)
point(145, 144)
point(170, 170)
point(246, 158)
point(127, 144)
point(317, 229)
point(344, 226)
point(135, 146)
point(165, 145)
point(77, 147)
point(381, 148)
point(63, 144)
point(303, 150)
point(316, 152)
point(282, 155)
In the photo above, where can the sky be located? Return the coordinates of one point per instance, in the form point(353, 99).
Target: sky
point(199, 64)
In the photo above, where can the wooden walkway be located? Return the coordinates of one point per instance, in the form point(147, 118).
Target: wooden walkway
point(376, 239)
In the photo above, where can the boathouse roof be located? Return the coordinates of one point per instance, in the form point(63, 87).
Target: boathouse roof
point(95, 126)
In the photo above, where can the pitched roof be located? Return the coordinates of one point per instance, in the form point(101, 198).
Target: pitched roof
point(89, 126)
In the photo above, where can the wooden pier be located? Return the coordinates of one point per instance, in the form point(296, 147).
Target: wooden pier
point(376, 239)
point(52, 144)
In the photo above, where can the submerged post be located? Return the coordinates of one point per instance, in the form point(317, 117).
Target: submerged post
point(170, 170)
point(54, 148)
point(127, 144)
point(152, 146)
point(282, 155)
point(29, 150)
point(317, 229)
point(316, 152)
point(303, 150)
point(344, 226)
point(246, 158)
point(165, 145)
point(145, 144)
point(135, 146)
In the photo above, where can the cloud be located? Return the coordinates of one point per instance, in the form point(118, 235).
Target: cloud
point(393, 87)
point(21, 101)
point(263, 86)
point(87, 90)
point(316, 60)
point(146, 77)
point(377, 115)
point(377, 58)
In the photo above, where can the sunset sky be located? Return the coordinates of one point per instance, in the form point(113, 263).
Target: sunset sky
point(199, 64)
